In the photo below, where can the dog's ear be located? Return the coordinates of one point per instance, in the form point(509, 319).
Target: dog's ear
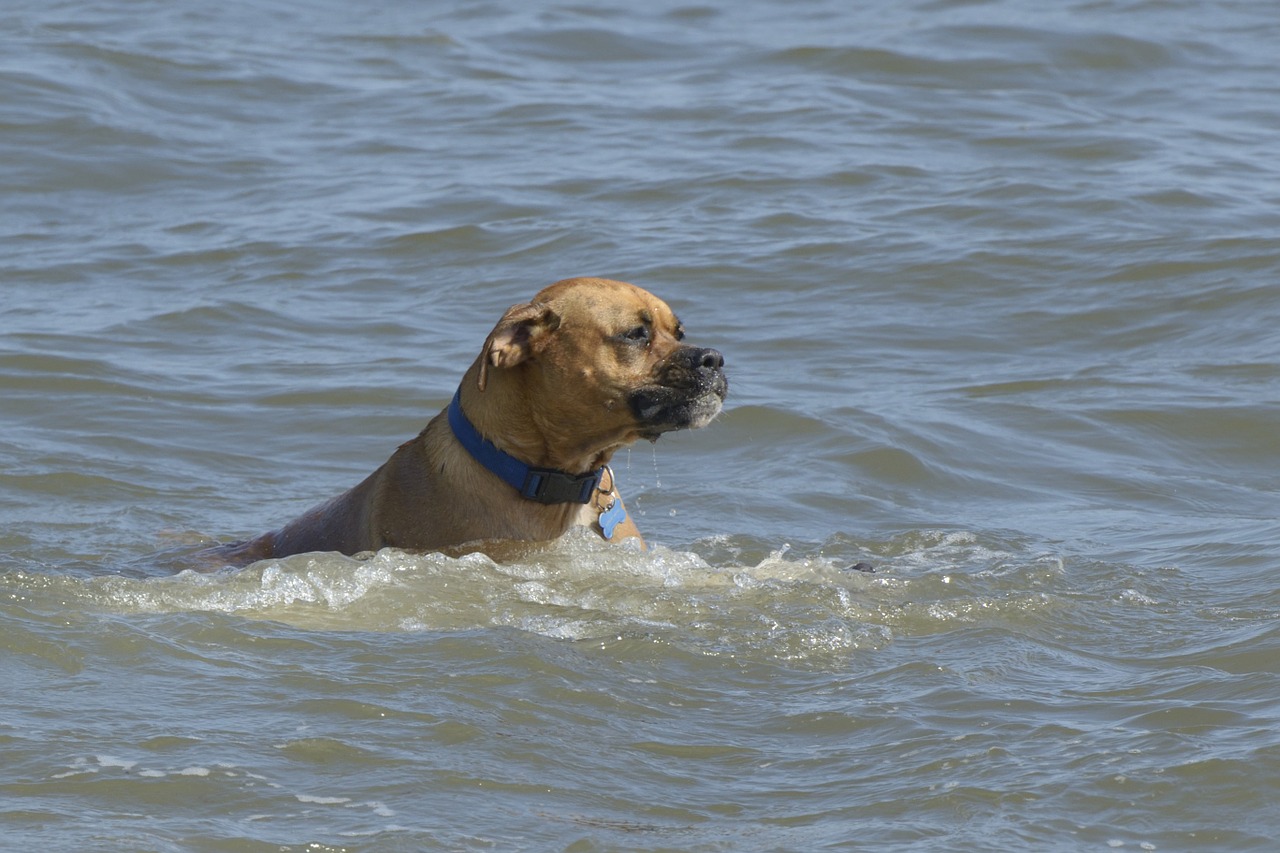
point(516, 336)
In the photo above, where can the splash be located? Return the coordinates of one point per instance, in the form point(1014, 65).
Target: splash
point(784, 605)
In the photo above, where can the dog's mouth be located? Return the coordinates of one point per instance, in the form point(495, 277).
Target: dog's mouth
point(689, 393)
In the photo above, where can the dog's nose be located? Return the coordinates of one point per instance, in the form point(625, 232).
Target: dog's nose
point(709, 359)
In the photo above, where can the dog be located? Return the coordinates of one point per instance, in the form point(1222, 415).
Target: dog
point(522, 452)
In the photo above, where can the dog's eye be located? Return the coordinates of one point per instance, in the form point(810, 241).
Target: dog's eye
point(638, 335)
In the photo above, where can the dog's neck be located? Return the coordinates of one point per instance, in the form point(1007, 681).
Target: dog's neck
point(544, 438)
point(536, 483)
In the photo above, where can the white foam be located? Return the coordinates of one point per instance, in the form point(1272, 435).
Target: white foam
point(811, 606)
point(79, 767)
point(119, 763)
point(322, 801)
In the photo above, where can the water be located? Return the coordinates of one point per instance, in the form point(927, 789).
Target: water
point(997, 285)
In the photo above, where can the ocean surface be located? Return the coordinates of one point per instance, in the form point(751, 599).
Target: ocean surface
point(998, 289)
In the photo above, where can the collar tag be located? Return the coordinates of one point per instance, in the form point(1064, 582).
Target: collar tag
point(611, 518)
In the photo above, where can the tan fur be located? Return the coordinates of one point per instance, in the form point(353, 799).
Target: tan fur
point(552, 386)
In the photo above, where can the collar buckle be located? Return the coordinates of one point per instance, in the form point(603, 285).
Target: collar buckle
point(550, 486)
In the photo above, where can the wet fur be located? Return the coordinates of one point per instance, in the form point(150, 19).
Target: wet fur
point(564, 381)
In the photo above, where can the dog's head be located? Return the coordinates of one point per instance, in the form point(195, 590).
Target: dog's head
point(606, 362)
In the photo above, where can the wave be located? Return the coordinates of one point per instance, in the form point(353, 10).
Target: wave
point(783, 605)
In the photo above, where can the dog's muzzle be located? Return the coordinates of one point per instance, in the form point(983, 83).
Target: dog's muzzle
point(688, 393)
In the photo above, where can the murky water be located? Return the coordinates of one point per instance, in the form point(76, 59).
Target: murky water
point(997, 286)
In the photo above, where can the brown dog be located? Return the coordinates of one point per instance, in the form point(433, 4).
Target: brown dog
point(522, 453)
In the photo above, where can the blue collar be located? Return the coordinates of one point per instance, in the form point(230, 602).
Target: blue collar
point(543, 485)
